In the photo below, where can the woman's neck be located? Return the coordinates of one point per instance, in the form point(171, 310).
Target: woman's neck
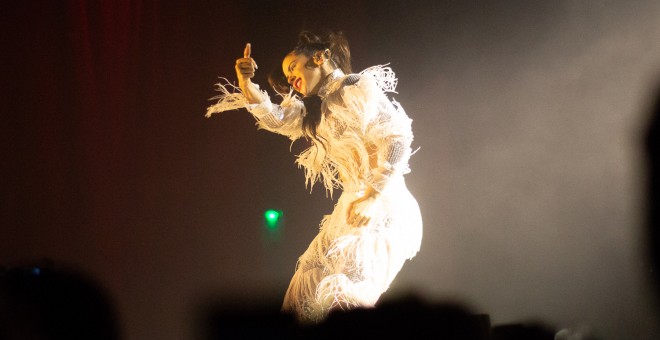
point(327, 80)
point(327, 68)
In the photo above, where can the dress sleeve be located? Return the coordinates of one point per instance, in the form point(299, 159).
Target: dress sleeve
point(386, 126)
point(391, 133)
point(285, 118)
point(362, 104)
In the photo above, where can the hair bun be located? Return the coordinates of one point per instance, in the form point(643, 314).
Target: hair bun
point(307, 37)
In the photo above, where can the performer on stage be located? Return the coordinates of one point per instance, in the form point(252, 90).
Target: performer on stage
point(360, 144)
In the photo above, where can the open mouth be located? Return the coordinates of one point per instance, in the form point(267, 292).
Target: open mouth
point(297, 83)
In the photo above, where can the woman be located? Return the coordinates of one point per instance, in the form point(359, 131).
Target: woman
point(360, 144)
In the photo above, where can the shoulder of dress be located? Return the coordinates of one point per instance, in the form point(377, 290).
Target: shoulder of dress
point(383, 76)
point(351, 79)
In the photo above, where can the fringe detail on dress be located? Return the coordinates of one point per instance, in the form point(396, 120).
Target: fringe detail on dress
point(385, 77)
point(227, 100)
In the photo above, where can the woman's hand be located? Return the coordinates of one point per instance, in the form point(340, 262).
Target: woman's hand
point(361, 210)
point(245, 66)
point(244, 71)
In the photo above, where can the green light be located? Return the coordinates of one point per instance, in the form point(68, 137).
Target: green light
point(272, 217)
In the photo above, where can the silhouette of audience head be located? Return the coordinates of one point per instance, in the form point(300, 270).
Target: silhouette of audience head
point(652, 148)
point(40, 302)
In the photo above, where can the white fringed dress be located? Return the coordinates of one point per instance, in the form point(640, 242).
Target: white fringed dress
point(368, 141)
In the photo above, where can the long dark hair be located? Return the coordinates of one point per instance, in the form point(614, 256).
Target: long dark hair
point(308, 44)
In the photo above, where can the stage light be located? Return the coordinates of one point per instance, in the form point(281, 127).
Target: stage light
point(272, 218)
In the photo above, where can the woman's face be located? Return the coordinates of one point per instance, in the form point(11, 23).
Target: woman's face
point(302, 73)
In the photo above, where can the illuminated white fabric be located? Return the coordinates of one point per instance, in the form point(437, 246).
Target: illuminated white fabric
point(345, 266)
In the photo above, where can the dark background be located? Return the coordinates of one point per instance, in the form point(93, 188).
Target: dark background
point(529, 115)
